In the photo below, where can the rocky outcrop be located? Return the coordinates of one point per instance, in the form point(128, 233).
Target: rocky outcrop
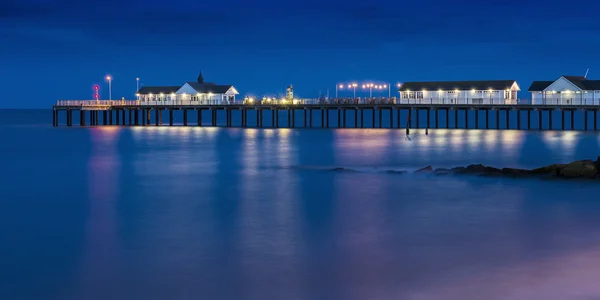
point(427, 169)
point(582, 169)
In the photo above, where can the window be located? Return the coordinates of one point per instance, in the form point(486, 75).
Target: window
point(419, 95)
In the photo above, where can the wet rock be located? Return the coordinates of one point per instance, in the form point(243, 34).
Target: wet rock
point(395, 171)
point(479, 168)
point(511, 172)
point(491, 170)
point(442, 171)
point(427, 169)
point(582, 168)
point(549, 169)
point(457, 170)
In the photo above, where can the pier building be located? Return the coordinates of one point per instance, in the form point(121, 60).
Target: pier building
point(460, 92)
point(190, 93)
point(566, 90)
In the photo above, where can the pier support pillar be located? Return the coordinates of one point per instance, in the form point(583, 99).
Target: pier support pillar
point(596, 120)
point(185, 121)
point(156, 116)
point(518, 119)
point(550, 119)
point(529, 119)
point(380, 118)
point(117, 118)
point(137, 117)
point(130, 118)
point(455, 118)
point(437, 125)
point(477, 118)
point(147, 116)
point(362, 118)
point(53, 117)
point(447, 118)
point(428, 111)
point(572, 119)
point(585, 120)
point(305, 117)
point(123, 116)
point(339, 118)
point(562, 125)
point(497, 119)
point(289, 118)
point(355, 118)
point(417, 118)
point(81, 118)
point(540, 119)
point(322, 118)
point(373, 121)
point(487, 118)
point(293, 118)
point(345, 112)
point(391, 117)
point(507, 119)
point(398, 124)
point(467, 118)
point(199, 117)
point(170, 117)
point(104, 120)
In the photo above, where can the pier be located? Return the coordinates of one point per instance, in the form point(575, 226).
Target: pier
point(302, 115)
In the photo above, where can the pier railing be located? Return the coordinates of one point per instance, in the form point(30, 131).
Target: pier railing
point(335, 101)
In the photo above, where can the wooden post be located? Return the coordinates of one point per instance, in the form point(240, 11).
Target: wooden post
point(562, 112)
point(327, 118)
point(550, 119)
point(428, 118)
point(200, 117)
point(437, 116)
point(156, 117)
point(507, 119)
point(339, 118)
point(572, 119)
point(380, 117)
point(355, 117)
point(487, 118)
point(54, 117)
point(322, 118)
point(123, 115)
point(497, 119)
point(81, 118)
point(170, 117)
point(417, 118)
point(117, 118)
point(477, 118)
point(529, 119)
point(540, 119)
point(305, 117)
point(518, 119)
point(466, 118)
point(373, 121)
point(362, 118)
point(455, 118)
point(185, 120)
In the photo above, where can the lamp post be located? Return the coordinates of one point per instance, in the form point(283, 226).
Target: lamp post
point(354, 85)
point(137, 84)
point(389, 90)
point(341, 86)
point(109, 79)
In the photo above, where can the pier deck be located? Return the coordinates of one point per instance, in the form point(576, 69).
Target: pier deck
point(133, 113)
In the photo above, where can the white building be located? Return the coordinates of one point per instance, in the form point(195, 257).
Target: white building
point(460, 92)
point(566, 90)
point(190, 93)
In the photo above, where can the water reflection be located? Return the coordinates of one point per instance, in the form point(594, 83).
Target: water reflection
point(100, 261)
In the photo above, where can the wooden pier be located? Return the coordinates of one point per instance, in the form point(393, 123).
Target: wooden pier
point(131, 113)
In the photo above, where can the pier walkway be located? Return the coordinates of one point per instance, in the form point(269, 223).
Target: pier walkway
point(134, 113)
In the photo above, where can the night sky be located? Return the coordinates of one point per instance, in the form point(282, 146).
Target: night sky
point(55, 49)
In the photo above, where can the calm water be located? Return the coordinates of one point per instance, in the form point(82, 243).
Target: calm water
point(204, 213)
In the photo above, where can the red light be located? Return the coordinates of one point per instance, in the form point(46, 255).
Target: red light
point(96, 87)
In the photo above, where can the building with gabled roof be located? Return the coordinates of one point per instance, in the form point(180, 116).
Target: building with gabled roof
point(198, 92)
point(460, 92)
point(566, 90)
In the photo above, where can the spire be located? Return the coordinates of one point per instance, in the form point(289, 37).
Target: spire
point(200, 78)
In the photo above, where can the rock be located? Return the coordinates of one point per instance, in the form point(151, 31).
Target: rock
point(442, 171)
point(549, 169)
point(515, 172)
point(427, 169)
point(582, 168)
point(491, 170)
point(395, 171)
point(457, 170)
point(475, 168)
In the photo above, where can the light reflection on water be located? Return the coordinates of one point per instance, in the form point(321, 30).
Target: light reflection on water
point(257, 214)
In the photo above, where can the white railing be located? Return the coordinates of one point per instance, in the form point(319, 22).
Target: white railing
point(96, 102)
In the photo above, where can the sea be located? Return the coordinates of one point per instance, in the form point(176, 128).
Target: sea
point(174, 212)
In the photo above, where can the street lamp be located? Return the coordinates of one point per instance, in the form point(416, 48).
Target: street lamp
point(354, 85)
point(341, 86)
point(137, 84)
point(109, 79)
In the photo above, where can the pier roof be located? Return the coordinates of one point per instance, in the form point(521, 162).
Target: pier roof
point(206, 88)
point(158, 89)
point(579, 81)
point(458, 85)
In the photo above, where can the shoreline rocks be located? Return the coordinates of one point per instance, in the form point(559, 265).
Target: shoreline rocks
point(581, 169)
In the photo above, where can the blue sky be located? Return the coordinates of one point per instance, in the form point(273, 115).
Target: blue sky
point(59, 49)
